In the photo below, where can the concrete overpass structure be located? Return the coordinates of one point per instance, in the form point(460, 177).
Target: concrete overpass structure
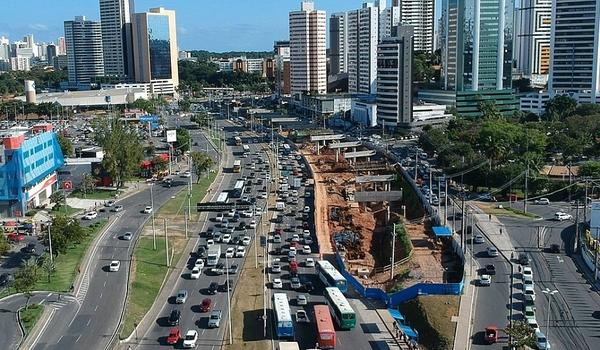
point(353, 156)
point(375, 179)
point(80, 161)
point(326, 138)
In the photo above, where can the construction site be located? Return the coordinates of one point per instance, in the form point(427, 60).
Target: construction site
point(360, 199)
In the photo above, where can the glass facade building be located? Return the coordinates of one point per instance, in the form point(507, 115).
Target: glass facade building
point(159, 45)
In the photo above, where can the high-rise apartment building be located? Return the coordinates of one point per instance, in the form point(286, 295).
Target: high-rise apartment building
point(338, 43)
point(20, 63)
point(50, 54)
point(85, 60)
point(533, 20)
point(61, 46)
point(155, 50)
point(420, 15)
point(281, 49)
point(308, 56)
point(117, 43)
point(575, 49)
point(389, 18)
point(363, 36)
point(394, 79)
point(4, 48)
point(28, 40)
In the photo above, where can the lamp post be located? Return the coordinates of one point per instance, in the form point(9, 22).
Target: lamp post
point(152, 212)
point(549, 293)
point(229, 298)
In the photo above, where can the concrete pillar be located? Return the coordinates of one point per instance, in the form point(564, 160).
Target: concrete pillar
point(318, 145)
point(337, 155)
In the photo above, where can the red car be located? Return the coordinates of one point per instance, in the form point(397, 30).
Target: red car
point(491, 334)
point(174, 336)
point(14, 237)
point(206, 304)
point(279, 231)
point(293, 268)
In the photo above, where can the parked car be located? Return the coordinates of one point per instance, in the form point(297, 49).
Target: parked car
point(490, 269)
point(213, 287)
point(91, 215)
point(301, 299)
point(554, 248)
point(523, 259)
point(174, 317)
point(309, 262)
point(29, 248)
point(6, 279)
point(485, 280)
point(302, 316)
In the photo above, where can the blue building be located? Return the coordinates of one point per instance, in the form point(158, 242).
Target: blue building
point(29, 159)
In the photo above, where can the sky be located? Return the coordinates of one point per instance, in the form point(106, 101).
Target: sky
point(214, 25)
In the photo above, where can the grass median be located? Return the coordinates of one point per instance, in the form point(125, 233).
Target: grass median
point(177, 205)
point(30, 315)
point(97, 194)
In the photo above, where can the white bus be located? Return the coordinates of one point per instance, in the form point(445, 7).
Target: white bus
point(340, 308)
point(223, 198)
point(246, 148)
point(283, 316)
point(330, 276)
point(237, 166)
point(238, 189)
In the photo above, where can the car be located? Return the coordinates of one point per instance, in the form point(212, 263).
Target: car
point(528, 290)
point(491, 334)
point(560, 216)
point(554, 248)
point(492, 251)
point(117, 208)
point(195, 273)
point(523, 259)
point(6, 279)
point(295, 238)
point(190, 339)
point(15, 237)
point(233, 269)
point(528, 280)
point(210, 242)
point(478, 238)
point(218, 236)
point(201, 252)
point(276, 268)
point(109, 204)
point(226, 238)
point(219, 217)
point(531, 322)
point(235, 218)
point(230, 213)
point(206, 304)
point(174, 336)
point(213, 287)
point(258, 211)
point(253, 224)
point(262, 195)
point(276, 239)
point(214, 320)
point(219, 269)
point(242, 225)
point(305, 225)
point(301, 299)
point(199, 263)
point(306, 233)
point(277, 283)
point(542, 201)
point(302, 317)
point(29, 248)
point(127, 236)
point(148, 209)
point(230, 252)
point(181, 297)
point(306, 209)
point(246, 240)
point(240, 252)
point(527, 272)
point(306, 249)
point(295, 283)
point(227, 285)
point(485, 280)
point(309, 262)
point(490, 269)
point(529, 312)
point(541, 342)
point(186, 174)
point(174, 317)
point(114, 266)
point(91, 215)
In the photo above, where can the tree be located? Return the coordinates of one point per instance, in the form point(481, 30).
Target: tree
point(422, 64)
point(159, 164)
point(25, 279)
point(66, 146)
point(144, 104)
point(587, 109)
point(88, 184)
point(489, 110)
point(560, 107)
point(184, 105)
point(201, 162)
point(4, 244)
point(521, 333)
point(590, 169)
point(65, 231)
point(183, 140)
point(58, 198)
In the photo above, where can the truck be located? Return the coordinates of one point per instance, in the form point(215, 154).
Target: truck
point(297, 183)
point(280, 206)
point(214, 253)
point(288, 345)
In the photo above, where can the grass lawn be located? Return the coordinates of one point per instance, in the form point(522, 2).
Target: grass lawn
point(96, 194)
point(178, 204)
point(149, 272)
point(65, 209)
point(66, 265)
point(507, 211)
point(431, 316)
point(30, 316)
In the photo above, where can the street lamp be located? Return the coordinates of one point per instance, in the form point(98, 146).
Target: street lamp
point(152, 213)
point(549, 293)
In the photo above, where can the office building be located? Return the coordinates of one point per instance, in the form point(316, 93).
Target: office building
point(363, 36)
point(420, 15)
point(533, 19)
point(85, 60)
point(281, 49)
point(575, 49)
point(338, 43)
point(117, 44)
point(155, 50)
point(61, 62)
point(61, 46)
point(50, 54)
point(394, 82)
point(20, 63)
point(308, 57)
point(389, 18)
point(29, 159)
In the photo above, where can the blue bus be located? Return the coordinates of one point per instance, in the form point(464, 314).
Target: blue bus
point(238, 189)
point(284, 327)
point(330, 276)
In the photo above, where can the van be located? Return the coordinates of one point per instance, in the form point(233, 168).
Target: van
point(541, 341)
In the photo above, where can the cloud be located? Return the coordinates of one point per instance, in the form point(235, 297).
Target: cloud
point(182, 31)
point(39, 27)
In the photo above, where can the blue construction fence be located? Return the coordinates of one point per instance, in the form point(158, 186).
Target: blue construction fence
point(392, 300)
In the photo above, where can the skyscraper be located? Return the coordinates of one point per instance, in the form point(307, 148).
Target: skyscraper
point(117, 44)
point(282, 67)
point(308, 57)
point(155, 49)
point(420, 15)
point(83, 40)
point(4, 48)
point(532, 37)
point(575, 49)
point(363, 36)
point(50, 54)
point(338, 43)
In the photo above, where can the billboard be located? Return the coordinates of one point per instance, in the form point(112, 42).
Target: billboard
point(171, 135)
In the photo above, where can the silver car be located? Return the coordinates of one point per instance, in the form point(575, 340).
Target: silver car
point(181, 297)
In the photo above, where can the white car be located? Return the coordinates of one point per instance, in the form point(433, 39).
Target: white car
point(309, 262)
point(560, 216)
point(528, 290)
point(277, 284)
point(308, 241)
point(195, 274)
point(295, 238)
point(240, 252)
point(306, 233)
point(262, 195)
point(148, 209)
point(542, 201)
point(276, 268)
point(190, 339)
point(247, 213)
point(302, 316)
point(226, 238)
point(301, 299)
point(199, 263)
point(527, 272)
point(90, 215)
point(231, 213)
point(485, 280)
point(210, 242)
point(478, 239)
point(258, 211)
point(307, 209)
point(276, 239)
point(186, 174)
point(492, 251)
point(306, 249)
point(114, 266)
point(246, 240)
point(219, 217)
point(230, 252)
point(252, 224)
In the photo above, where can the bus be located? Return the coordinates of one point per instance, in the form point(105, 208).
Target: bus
point(283, 316)
point(238, 189)
point(325, 330)
point(340, 308)
point(223, 198)
point(238, 141)
point(237, 166)
point(246, 148)
point(330, 276)
point(286, 149)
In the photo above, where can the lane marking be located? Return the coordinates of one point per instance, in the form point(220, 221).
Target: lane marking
point(79, 337)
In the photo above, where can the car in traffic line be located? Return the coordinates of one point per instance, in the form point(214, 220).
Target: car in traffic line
point(214, 320)
point(206, 305)
point(195, 273)
point(90, 215)
point(174, 317)
point(117, 208)
point(174, 336)
point(213, 288)
point(127, 236)
point(181, 297)
point(485, 280)
point(492, 251)
point(277, 283)
point(302, 317)
point(190, 339)
point(114, 266)
point(561, 216)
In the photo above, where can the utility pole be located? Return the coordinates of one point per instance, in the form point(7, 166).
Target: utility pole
point(577, 240)
point(393, 251)
point(186, 225)
point(526, 184)
point(445, 201)
point(416, 165)
point(585, 201)
point(166, 241)
point(152, 213)
point(229, 298)
point(50, 244)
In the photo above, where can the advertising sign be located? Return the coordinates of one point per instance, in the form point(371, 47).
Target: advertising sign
point(171, 135)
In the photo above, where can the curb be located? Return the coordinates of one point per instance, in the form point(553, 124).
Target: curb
point(31, 338)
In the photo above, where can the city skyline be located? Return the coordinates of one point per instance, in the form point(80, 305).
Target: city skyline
point(200, 25)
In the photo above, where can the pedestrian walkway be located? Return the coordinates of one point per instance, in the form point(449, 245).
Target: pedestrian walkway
point(380, 325)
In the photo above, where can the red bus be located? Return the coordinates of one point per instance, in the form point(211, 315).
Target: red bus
point(325, 330)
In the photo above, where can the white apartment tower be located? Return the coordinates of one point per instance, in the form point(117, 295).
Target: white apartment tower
point(84, 50)
point(308, 56)
point(420, 15)
point(363, 36)
point(575, 46)
point(338, 43)
point(533, 20)
point(117, 44)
